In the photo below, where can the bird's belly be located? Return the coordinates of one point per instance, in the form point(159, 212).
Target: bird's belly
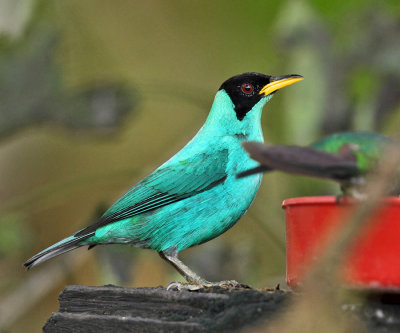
point(202, 217)
point(189, 222)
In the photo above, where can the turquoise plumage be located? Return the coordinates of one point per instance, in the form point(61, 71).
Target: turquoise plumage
point(194, 196)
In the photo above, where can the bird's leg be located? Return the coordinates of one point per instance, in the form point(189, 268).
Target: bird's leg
point(171, 256)
point(339, 197)
point(195, 282)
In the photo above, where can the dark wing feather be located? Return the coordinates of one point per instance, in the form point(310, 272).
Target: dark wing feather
point(253, 171)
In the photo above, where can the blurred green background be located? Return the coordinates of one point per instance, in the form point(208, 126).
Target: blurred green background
point(96, 94)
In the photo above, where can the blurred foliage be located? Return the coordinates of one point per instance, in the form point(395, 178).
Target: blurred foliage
point(31, 87)
point(149, 70)
point(14, 236)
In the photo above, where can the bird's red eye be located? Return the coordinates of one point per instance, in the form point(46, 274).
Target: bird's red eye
point(247, 88)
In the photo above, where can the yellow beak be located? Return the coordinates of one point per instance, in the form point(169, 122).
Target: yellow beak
point(278, 82)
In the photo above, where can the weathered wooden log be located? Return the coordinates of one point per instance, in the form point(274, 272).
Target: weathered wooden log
point(115, 309)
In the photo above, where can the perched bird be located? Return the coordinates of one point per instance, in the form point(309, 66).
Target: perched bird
point(194, 196)
point(343, 157)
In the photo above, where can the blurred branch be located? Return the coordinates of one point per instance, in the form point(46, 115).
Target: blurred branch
point(319, 307)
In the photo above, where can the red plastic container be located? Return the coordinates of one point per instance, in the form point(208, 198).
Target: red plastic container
point(373, 260)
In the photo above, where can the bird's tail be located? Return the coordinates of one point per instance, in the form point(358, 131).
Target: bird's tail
point(65, 245)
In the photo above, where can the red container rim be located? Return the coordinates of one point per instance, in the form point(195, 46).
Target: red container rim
point(329, 200)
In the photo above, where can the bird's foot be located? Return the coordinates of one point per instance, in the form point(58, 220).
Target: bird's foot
point(228, 284)
point(178, 286)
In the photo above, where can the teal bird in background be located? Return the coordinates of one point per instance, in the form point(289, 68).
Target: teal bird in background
point(343, 157)
point(194, 196)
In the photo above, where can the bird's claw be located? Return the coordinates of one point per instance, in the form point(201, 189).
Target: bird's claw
point(178, 286)
point(229, 284)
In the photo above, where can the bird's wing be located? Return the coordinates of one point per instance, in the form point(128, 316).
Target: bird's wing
point(168, 184)
point(303, 160)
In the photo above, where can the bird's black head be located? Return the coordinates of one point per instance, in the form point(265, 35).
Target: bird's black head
point(247, 89)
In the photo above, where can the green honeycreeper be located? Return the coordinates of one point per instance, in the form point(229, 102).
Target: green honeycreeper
point(344, 157)
point(194, 196)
